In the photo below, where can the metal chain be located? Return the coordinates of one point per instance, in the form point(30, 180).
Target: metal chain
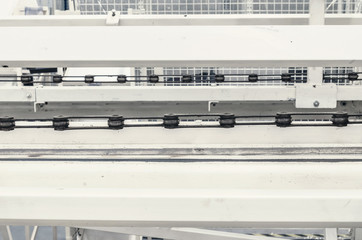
point(172, 121)
point(28, 80)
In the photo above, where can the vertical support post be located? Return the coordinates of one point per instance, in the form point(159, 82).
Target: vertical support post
point(330, 234)
point(316, 11)
point(315, 75)
point(69, 233)
point(134, 237)
point(159, 71)
point(27, 232)
point(357, 234)
point(55, 233)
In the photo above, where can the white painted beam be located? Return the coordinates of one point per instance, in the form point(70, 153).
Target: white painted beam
point(177, 20)
point(87, 94)
point(143, 136)
point(220, 194)
point(237, 46)
point(17, 94)
point(162, 93)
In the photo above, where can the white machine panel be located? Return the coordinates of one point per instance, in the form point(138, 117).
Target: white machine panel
point(231, 46)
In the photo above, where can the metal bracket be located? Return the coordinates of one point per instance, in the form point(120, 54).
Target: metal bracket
point(211, 104)
point(113, 18)
point(316, 96)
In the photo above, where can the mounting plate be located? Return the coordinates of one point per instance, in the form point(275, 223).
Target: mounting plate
point(316, 96)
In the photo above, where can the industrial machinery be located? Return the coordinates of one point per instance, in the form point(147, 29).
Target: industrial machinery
point(110, 126)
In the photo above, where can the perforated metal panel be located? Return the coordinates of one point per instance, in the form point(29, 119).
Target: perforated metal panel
point(215, 6)
point(343, 7)
point(196, 6)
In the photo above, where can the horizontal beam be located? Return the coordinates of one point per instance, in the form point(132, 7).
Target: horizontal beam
point(221, 194)
point(99, 94)
point(179, 20)
point(164, 94)
point(17, 94)
point(150, 136)
point(237, 46)
point(186, 153)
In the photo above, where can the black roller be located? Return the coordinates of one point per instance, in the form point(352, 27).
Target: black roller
point(219, 78)
point(283, 119)
point(286, 77)
point(227, 120)
point(57, 78)
point(60, 123)
point(122, 78)
point(27, 80)
point(89, 79)
point(352, 76)
point(171, 121)
point(7, 123)
point(116, 122)
point(340, 119)
point(153, 79)
point(253, 78)
point(186, 78)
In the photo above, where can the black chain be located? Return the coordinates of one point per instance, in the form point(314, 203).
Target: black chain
point(28, 79)
point(173, 121)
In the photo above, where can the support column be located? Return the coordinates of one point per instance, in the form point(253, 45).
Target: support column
point(316, 11)
point(70, 233)
point(330, 234)
point(55, 233)
point(357, 234)
point(27, 232)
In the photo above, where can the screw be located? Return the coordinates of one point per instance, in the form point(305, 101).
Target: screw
point(316, 103)
point(28, 95)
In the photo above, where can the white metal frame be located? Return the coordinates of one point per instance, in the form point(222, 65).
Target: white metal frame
point(171, 194)
point(303, 96)
point(242, 177)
